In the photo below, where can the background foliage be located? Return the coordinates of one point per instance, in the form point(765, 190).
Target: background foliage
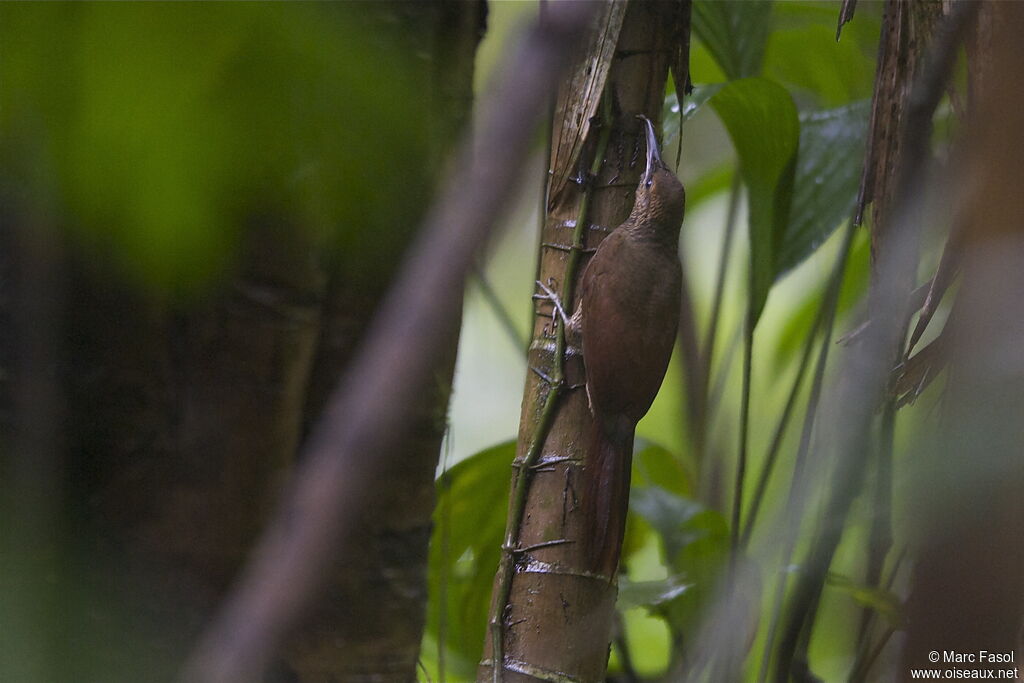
point(154, 131)
point(780, 102)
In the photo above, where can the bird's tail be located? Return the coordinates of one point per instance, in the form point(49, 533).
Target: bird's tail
point(605, 492)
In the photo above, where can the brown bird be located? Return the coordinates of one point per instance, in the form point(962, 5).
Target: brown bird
point(627, 319)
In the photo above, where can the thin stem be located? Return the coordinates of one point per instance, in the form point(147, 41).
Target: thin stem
point(517, 507)
point(804, 642)
point(741, 462)
point(723, 266)
point(880, 539)
point(718, 388)
point(694, 383)
point(771, 457)
point(622, 645)
point(829, 306)
point(499, 309)
point(866, 657)
point(708, 397)
point(861, 672)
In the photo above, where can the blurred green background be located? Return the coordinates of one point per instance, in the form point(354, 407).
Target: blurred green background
point(830, 84)
point(152, 134)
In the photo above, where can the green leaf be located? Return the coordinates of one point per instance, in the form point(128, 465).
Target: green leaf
point(696, 545)
point(655, 465)
point(465, 548)
point(668, 514)
point(885, 602)
point(855, 284)
point(827, 179)
point(651, 595)
point(671, 121)
point(843, 73)
point(161, 132)
point(734, 32)
point(693, 103)
point(762, 122)
point(713, 182)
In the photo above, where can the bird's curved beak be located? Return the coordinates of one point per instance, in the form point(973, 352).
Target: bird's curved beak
point(653, 155)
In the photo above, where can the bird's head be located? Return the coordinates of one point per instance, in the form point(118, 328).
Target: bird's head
point(660, 195)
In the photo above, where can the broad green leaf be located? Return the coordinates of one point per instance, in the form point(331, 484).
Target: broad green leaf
point(843, 71)
point(734, 32)
point(465, 548)
point(827, 179)
point(842, 74)
point(762, 122)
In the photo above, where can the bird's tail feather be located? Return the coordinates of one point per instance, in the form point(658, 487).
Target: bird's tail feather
point(605, 494)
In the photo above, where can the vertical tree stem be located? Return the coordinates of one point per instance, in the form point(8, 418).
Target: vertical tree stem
point(548, 411)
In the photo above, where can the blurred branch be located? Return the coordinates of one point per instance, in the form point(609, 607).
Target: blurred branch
point(825, 317)
point(863, 384)
point(371, 406)
point(694, 372)
point(519, 341)
point(968, 501)
point(880, 535)
point(797, 499)
point(741, 461)
point(867, 653)
point(33, 473)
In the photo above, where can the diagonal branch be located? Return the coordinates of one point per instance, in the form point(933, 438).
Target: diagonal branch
point(353, 440)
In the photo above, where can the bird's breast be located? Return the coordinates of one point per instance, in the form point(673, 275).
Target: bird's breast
point(630, 305)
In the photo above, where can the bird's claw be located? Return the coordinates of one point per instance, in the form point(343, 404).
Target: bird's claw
point(551, 296)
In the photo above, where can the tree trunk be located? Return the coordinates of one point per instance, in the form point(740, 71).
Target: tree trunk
point(181, 421)
point(371, 623)
point(557, 618)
